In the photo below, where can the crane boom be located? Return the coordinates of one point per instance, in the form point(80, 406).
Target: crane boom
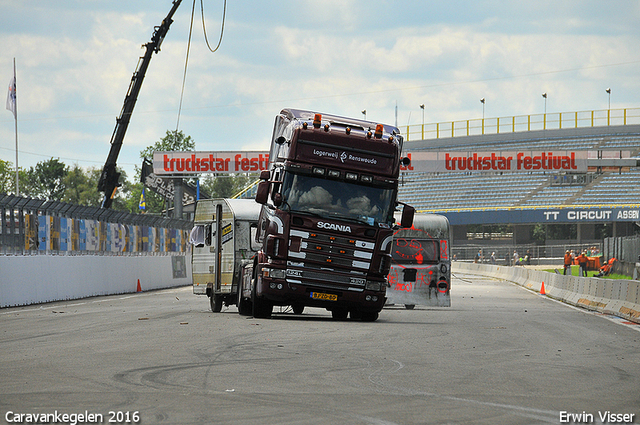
point(109, 178)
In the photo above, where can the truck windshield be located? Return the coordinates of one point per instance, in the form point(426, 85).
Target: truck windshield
point(337, 199)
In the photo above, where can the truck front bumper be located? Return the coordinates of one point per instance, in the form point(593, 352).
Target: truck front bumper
point(282, 292)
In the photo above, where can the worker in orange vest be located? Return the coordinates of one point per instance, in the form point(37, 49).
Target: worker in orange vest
point(567, 262)
point(582, 261)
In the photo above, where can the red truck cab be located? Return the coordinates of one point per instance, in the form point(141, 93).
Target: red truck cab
point(327, 218)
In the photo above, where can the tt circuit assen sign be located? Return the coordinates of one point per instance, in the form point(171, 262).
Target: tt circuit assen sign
point(511, 161)
point(521, 215)
point(184, 163)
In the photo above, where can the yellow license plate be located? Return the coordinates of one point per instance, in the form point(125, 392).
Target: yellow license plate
point(323, 296)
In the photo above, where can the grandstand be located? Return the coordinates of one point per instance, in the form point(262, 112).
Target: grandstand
point(528, 198)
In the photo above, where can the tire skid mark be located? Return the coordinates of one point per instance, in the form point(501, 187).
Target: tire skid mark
point(379, 378)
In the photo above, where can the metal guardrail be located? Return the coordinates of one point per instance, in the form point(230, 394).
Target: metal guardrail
point(30, 226)
point(538, 254)
point(626, 248)
point(521, 123)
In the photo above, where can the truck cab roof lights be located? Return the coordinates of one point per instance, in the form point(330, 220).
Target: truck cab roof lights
point(348, 130)
point(317, 120)
point(319, 171)
point(379, 129)
point(351, 176)
point(326, 127)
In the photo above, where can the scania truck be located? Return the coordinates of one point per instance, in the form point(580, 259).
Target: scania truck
point(327, 219)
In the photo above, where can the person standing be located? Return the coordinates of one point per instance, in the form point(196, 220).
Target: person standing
point(567, 262)
point(582, 261)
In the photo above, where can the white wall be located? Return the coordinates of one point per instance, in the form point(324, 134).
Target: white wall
point(610, 296)
point(42, 278)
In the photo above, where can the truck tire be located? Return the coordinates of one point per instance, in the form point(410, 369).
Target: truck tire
point(369, 316)
point(355, 315)
point(340, 314)
point(215, 301)
point(244, 305)
point(409, 306)
point(297, 308)
point(262, 309)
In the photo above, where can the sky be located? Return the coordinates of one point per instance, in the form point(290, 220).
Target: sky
point(75, 59)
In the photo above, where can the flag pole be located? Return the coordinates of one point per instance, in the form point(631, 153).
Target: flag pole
point(15, 115)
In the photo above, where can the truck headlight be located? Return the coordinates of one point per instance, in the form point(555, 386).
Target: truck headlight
point(273, 273)
point(374, 286)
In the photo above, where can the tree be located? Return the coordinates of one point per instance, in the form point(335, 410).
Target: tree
point(46, 180)
point(7, 177)
point(172, 141)
point(82, 187)
point(225, 186)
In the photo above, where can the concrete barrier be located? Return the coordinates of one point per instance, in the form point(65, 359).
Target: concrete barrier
point(611, 296)
point(37, 279)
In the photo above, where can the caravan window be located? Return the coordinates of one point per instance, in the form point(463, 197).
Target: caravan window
point(200, 235)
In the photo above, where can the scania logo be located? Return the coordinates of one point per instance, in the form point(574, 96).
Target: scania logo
point(332, 226)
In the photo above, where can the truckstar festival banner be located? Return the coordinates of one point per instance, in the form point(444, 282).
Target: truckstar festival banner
point(511, 161)
point(183, 163)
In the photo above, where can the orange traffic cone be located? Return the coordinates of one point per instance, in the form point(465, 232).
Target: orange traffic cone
point(139, 289)
point(542, 291)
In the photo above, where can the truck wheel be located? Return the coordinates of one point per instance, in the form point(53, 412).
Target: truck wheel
point(340, 314)
point(355, 315)
point(369, 316)
point(261, 309)
point(297, 308)
point(215, 301)
point(244, 305)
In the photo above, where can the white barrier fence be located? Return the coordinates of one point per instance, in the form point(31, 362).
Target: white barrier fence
point(610, 296)
point(37, 279)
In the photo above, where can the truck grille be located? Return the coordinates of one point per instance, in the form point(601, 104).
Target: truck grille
point(325, 260)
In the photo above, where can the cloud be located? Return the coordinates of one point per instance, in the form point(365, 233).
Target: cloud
point(76, 59)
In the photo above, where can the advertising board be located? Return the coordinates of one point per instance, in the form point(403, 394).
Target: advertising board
point(502, 161)
point(189, 163)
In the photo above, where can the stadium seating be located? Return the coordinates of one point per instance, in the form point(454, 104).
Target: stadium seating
point(459, 191)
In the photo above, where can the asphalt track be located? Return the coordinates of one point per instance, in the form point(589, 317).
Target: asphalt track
point(500, 355)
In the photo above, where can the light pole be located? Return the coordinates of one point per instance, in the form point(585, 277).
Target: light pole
point(608, 90)
point(364, 113)
point(422, 107)
point(544, 117)
point(482, 101)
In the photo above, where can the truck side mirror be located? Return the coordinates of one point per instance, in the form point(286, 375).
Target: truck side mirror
point(406, 220)
point(264, 175)
point(262, 193)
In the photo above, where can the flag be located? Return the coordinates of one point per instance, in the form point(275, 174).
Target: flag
point(11, 97)
point(143, 204)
